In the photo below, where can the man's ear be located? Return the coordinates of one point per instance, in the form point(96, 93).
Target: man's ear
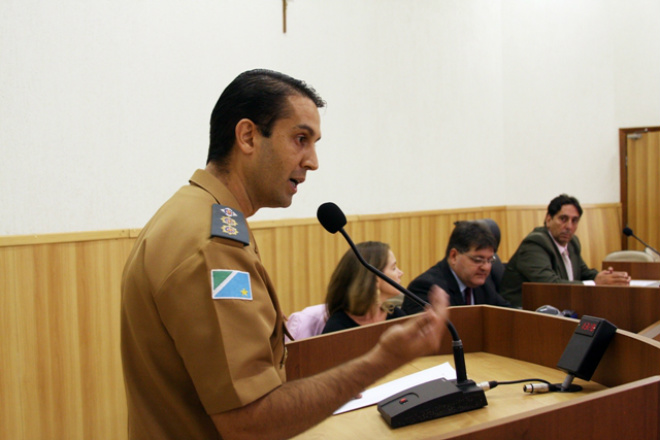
point(453, 253)
point(246, 132)
point(547, 217)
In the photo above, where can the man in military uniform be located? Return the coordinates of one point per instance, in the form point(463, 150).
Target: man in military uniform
point(201, 327)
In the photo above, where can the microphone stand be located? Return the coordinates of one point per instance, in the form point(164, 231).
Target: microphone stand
point(457, 344)
point(629, 232)
point(435, 399)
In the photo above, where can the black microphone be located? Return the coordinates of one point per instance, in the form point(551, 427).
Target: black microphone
point(426, 401)
point(629, 232)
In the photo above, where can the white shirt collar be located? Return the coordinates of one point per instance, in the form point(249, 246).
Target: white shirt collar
point(461, 286)
point(561, 248)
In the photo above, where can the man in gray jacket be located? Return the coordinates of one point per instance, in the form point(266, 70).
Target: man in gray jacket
point(551, 254)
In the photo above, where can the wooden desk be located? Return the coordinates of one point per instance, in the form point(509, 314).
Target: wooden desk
point(505, 344)
point(638, 270)
point(629, 308)
point(503, 401)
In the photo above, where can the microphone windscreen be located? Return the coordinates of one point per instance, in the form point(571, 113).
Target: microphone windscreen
point(331, 217)
point(627, 231)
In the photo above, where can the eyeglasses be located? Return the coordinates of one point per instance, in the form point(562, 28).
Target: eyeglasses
point(480, 261)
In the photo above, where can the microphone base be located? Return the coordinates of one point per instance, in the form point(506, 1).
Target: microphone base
point(431, 400)
point(572, 388)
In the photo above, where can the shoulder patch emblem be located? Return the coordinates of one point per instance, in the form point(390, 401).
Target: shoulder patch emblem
point(229, 223)
point(230, 284)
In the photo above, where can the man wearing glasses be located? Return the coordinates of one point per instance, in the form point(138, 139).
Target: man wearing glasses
point(464, 270)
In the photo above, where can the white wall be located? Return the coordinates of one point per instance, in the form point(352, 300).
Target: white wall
point(432, 104)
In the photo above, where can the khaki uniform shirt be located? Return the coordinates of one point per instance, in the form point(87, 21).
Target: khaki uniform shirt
point(185, 353)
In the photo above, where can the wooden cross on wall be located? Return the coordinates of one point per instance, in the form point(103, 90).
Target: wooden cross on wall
point(284, 16)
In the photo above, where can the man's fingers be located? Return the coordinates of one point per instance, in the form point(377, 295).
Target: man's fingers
point(438, 297)
point(436, 314)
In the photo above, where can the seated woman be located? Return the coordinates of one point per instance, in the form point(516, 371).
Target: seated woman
point(356, 296)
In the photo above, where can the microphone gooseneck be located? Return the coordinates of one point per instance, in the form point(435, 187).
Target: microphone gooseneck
point(629, 233)
point(333, 220)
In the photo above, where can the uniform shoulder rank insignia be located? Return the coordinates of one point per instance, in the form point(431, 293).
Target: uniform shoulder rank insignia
point(229, 223)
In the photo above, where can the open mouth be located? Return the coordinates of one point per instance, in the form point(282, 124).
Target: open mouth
point(295, 181)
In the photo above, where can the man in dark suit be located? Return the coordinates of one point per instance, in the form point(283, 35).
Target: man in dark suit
point(551, 254)
point(464, 270)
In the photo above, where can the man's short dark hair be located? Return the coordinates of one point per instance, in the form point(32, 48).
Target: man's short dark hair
point(555, 204)
point(259, 95)
point(470, 234)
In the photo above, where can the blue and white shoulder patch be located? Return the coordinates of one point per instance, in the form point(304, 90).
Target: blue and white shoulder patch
point(230, 284)
point(229, 223)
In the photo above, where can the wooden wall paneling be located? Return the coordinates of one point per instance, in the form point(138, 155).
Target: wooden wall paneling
point(417, 242)
point(299, 265)
point(586, 226)
point(48, 342)
point(56, 346)
point(30, 385)
point(64, 375)
point(331, 249)
point(499, 216)
point(267, 250)
point(282, 268)
point(310, 263)
point(413, 248)
point(369, 229)
point(319, 270)
point(100, 369)
point(403, 249)
point(520, 222)
point(599, 232)
point(429, 239)
point(443, 227)
point(12, 355)
point(400, 241)
point(386, 230)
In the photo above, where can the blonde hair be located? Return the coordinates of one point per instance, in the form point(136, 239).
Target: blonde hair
point(352, 287)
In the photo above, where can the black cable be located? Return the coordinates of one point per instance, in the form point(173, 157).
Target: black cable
point(542, 387)
point(523, 380)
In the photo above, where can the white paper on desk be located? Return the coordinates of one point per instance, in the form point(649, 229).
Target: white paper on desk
point(374, 395)
point(644, 283)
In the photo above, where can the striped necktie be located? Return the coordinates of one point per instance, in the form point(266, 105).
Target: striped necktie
point(567, 263)
point(468, 296)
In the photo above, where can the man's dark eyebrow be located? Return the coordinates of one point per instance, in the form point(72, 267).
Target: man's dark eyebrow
point(309, 129)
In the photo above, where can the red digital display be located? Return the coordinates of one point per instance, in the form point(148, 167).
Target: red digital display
point(587, 327)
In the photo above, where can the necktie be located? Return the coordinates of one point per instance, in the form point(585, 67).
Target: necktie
point(468, 296)
point(567, 263)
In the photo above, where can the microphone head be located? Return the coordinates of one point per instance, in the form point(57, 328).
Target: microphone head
point(331, 217)
point(627, 231)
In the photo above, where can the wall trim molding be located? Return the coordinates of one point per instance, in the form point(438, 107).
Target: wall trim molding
point(74, 237)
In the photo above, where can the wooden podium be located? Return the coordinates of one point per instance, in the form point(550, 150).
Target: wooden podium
point(621, 401)
point(629, 308)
